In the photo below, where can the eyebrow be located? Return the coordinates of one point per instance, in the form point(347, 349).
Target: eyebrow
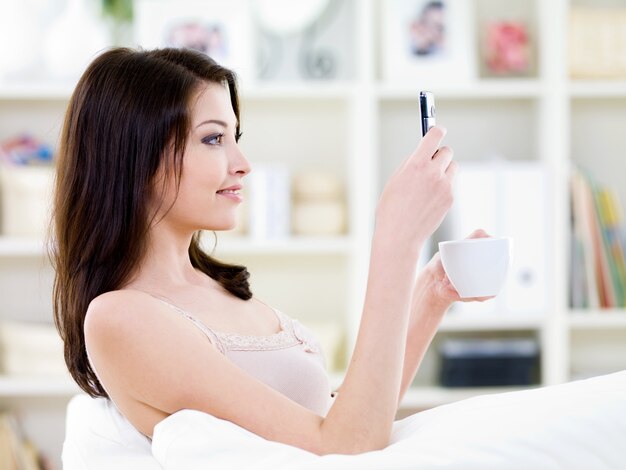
point(214, 121)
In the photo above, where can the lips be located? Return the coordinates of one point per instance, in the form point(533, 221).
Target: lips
point(232, 193)
point(230, 190)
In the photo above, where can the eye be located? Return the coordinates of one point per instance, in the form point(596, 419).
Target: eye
point(213, 139)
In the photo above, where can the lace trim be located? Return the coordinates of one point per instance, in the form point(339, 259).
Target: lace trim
point(287, 337)
point(234, 342)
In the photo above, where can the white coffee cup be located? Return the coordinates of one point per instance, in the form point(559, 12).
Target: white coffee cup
point(476, 267)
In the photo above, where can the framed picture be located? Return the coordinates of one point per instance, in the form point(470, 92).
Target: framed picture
point(219, 28)
point(505, 49)
point(596, 42)
point(430, 40)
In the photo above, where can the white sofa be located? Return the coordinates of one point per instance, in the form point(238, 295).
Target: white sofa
point(579, 424)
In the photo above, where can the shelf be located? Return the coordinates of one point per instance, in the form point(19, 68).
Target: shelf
point(296, 245)
point(495, 89)
point(46, 91)
point(597, 89)
point(477, 322)
point(484, 88)
point(37, 386)
point(597, 319)
point(297, 90)
point(20, 247)
point(428, 397)
point(283, 91)
point(342, 245)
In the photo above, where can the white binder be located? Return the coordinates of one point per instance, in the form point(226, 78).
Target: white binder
point(507, 199)
point(270, 202)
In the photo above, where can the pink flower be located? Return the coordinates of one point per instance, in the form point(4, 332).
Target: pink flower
point(507, 48)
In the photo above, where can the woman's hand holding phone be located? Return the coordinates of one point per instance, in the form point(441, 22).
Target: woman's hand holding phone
point(418, 195)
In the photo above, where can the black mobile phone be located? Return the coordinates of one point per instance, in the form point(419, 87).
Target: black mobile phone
point(427, 109)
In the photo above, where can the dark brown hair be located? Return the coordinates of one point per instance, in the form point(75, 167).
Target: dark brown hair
point(129, 110)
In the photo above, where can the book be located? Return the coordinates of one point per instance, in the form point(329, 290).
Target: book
point(270, 202)
point(598, 263)
point(614, 223)
point(16, 453)
point(586, 256)
point(609, 244)
point(8, 459)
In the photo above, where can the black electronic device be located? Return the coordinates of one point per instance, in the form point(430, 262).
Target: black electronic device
point(427, 110)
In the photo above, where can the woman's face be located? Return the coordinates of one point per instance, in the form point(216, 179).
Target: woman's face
point(212, 170)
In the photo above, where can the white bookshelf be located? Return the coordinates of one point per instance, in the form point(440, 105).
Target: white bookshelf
point(364, 128)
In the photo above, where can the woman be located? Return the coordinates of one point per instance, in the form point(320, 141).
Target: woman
point(148, 158)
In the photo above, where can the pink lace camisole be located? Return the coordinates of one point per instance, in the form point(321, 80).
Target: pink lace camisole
point(290, 361)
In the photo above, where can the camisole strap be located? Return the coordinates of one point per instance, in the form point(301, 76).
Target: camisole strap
point(286, 337)
point(208, 332)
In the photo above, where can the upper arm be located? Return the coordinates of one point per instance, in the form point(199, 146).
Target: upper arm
point(162, 360)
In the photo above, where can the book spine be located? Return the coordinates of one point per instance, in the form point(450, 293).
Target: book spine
point(604, 218)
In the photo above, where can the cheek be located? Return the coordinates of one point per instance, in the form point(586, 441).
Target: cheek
point(201, 181)
point(163, 194)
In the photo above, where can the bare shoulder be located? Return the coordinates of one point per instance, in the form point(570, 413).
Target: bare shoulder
point(129, 333)
point(124, 319)
point(115, 306)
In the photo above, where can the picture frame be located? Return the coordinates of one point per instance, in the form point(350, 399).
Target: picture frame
point(593, 56)
point(506, 49)
point(222, 30)
point(428, 40)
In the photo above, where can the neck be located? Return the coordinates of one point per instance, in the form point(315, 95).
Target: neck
point(166, 263)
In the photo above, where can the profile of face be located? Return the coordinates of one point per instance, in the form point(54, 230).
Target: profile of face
point(213, 167)
point(427, 32)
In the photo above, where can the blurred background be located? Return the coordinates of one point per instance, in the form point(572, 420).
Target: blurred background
point(533, 95)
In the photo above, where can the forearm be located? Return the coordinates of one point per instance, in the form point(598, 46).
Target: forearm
point(363, 413)
point(427, 311)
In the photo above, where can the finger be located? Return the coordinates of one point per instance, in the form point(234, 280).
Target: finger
point(452, 169)
point(479, 233)
point(477, 299)
point(443, 157)
point(430, 142)
point(427, 147)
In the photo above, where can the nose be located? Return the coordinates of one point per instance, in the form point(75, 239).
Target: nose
point(239, 164)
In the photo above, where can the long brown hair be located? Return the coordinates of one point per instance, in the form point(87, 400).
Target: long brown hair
point(129, 108)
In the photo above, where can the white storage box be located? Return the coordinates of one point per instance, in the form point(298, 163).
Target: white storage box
point(31, 349)
point(26, 195)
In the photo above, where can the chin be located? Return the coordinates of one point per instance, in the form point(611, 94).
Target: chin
point(225, 227)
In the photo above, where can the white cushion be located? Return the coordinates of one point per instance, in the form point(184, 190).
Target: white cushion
point(579, 424)
point(98, 437)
